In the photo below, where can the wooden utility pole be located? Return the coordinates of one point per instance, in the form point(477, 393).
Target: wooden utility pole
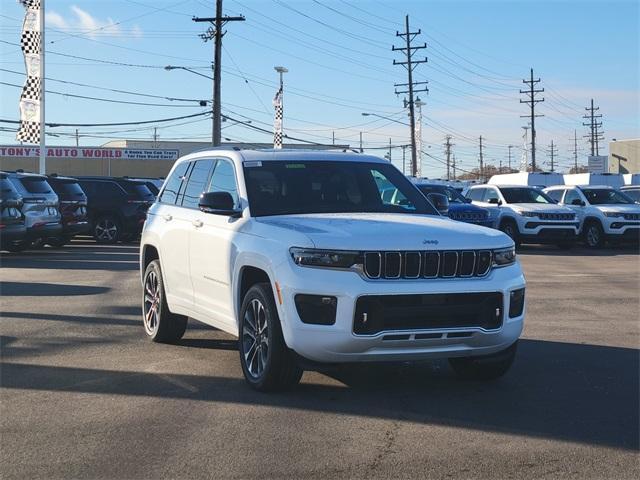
point(531, 101)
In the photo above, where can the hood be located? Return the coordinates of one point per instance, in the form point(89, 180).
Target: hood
point(632, 208)
point(541, 207)
point(388, 231)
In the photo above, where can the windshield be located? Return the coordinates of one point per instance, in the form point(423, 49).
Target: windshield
point(605, 196)
point(139, 190)
point(451, 193)
point(282, 188)
point(36, 185)
point(524, 195)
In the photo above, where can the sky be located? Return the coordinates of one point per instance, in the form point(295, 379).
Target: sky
point(340, 62)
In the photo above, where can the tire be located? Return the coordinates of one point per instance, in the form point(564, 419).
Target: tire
point(594, 235)
point(107, 230)
point(485, 367)
point(57, 242)
point(510, 228)
point(267, 363)
point(160, 324)
point(16, 247)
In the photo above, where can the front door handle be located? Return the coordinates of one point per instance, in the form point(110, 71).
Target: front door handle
point(197, 223)
point(167, 217)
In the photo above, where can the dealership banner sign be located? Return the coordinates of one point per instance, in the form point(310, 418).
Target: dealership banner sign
point(31, 98)
point(87, 152)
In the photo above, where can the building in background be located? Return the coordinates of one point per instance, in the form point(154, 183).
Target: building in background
point(624, 156)
point(119, 158)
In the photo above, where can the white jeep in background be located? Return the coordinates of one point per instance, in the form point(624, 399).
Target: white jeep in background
point(603, 211)
point(299, 255)
point(527, 215)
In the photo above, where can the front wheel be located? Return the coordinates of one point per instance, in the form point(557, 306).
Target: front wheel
point(266, 361)
point(509, 227)
point(160, 324)
point(594, 235)
point(485, 367)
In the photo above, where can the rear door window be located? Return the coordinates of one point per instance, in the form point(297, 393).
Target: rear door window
point(476, 194)
point(172, 186)
point(224, 180)
point(138, 190)
point(556, 194)
point(69, 189)
point(108, 189)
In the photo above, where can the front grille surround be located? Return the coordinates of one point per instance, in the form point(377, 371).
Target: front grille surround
point(429, 264)
point(632, 216)
point(556, 216)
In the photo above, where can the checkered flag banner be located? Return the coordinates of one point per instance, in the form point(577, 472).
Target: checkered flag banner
point(30, 43)
point(277, 120)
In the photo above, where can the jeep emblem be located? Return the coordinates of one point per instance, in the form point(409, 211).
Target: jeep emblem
point(430, 242)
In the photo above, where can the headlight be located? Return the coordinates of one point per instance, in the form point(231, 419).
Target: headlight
point(504, 257)
point(614, 214)
point(308, 257)
point(525, 213)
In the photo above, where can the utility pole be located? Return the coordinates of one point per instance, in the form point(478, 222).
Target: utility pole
point(410, 64)
point(553, 150)
point(77, 138)
point(481, 160)
point(389, 150)
point(593, 125)
point(447, 151)
point(361, 149)
point(510, 147)
point(575, 151)
point(155, 137)
point(215, 33)
point(531, 101)
point(333, 138)
point(404, 153)
point(453, 165)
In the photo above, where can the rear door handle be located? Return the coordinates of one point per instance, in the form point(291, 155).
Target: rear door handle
point(197, 223)
point(167, 217)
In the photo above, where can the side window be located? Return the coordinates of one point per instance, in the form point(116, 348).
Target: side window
point(172, 187)
point(571, 196)
point(476, 194)
point(224, 180)
point(556, 194)
point(492, 194)
point(197, 183)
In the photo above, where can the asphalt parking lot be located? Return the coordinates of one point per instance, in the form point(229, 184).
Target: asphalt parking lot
point(85, 395)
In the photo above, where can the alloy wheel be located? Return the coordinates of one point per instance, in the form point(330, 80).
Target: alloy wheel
point(255, 338)
point(107, 230)
point(151, 304)
point(593, 236)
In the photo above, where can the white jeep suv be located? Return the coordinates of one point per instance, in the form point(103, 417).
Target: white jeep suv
point(298, 254)
point(604, 212)
point(527, 215)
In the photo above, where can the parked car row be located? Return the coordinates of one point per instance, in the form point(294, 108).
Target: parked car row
point(52, 209)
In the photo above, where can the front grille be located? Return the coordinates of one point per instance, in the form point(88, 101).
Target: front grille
point(379, 313)
point(632, 216)
point(427, 264)
point(556, 216)
point(468, 216)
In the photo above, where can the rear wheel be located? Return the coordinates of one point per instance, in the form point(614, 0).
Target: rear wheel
point(106, 230)
point(160, 324)
point(58, 242)
point(15, 247)
point(594, 235)
point(267, 363)
point(485, 367)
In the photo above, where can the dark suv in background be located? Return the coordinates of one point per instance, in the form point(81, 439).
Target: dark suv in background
point(73, 209)
point(117, 207)
point(13, 231)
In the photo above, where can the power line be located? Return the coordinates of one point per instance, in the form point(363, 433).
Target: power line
point(114, 124)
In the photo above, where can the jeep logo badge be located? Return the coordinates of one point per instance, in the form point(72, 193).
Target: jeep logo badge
point(430, 242)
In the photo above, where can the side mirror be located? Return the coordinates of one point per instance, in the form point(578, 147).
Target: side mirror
point(495, 201)
point(441, 202)
point(218, 203)
point(578, 202)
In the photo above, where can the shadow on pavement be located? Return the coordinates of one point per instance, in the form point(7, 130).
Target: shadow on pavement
point(35, 289)
point(578, 393)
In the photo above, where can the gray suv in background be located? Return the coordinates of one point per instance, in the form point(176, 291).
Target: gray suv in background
point(40, 205)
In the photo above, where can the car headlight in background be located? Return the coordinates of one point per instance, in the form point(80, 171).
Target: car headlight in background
point(526, 213)
point(309, 257)
point(614, 214)
point(504, 257)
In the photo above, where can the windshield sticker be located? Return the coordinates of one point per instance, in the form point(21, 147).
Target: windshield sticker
point(253, 163)
point(295, 165)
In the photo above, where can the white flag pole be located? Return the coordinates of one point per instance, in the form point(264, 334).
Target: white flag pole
point(43, 157)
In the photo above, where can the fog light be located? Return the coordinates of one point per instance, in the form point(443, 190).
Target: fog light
point(516, 303)
point(316, 309)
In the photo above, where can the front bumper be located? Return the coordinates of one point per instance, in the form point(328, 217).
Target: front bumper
point(337, 343)
point(622, 229)
point(539, 231)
